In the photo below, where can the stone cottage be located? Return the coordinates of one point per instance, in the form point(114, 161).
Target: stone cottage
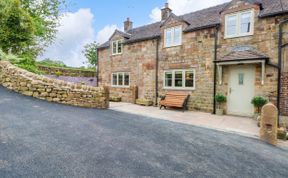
point(232, 48)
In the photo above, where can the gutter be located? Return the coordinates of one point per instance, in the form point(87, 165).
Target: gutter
point(156, 71)
point(215, 68)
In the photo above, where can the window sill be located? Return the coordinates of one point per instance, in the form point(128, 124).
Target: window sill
point(166, 47)
point(182, 89)
point(118, 54)
point(238, 36)
point(113, 86)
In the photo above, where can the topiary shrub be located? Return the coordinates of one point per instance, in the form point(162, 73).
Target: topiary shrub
point(220, 99)
point(259, 102)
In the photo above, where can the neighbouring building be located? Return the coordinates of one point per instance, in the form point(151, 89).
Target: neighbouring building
point(232, 49)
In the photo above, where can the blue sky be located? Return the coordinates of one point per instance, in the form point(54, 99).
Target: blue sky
point(115, 12)
point(91, 20)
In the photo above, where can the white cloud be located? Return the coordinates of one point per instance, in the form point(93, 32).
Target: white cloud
point(180, 7)
point(104, 34)
point(75, 31)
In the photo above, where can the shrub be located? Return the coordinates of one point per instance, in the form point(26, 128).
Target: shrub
point(259, 102)
point(219, 98)
point(58, 73)
point(24, 62)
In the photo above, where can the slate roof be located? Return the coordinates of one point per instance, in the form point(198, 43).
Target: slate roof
point(243, 53)
point(201, 19)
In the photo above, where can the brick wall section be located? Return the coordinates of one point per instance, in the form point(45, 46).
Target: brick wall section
point(53, 90)
point(284, 95)
point(67, 72)
point(139, 60)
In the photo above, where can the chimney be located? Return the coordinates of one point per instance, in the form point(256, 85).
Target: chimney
point(128, 25)
point(165, 12)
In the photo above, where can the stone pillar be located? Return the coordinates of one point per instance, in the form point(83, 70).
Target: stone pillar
point(268, 124)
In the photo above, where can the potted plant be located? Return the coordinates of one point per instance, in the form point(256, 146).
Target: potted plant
point(220, 99)
point(258, 103)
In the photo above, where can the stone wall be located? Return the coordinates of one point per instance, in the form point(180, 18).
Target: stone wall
point(66, 71)
point(129, 94)
point(284, 95)
point(52, 90)
point(138, 59)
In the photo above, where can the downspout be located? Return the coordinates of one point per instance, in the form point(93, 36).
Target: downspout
point(156, 72)
point(97, 69)
point(280, 46)
point(215, 69)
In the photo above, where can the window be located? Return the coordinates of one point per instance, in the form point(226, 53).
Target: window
point(173, 36)
point(239, 24)
point(121, 79)
point(179, 79)
point(117, 47)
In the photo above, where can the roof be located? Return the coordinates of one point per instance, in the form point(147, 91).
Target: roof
point(201, 19)
point(243, 53)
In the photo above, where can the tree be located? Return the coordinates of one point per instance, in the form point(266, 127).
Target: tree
point(90, 52)
point(28, 26)
point(46, 15)
point(17, 27)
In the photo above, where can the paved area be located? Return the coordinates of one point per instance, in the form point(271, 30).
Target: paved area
point(41, 139)
point(240, 125)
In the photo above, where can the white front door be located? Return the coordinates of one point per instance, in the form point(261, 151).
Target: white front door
point(241, 90)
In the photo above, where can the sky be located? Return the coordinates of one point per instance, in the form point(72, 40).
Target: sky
point(86, 21)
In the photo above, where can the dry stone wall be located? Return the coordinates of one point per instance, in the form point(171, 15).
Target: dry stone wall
point(67, 72)
point(52, 90)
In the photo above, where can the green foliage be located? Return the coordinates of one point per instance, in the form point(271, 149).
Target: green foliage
point(25, 62)
point(219, 98)
point(28, 64)
point(259, 102)
point(27, 26)
point(53, 63)
point(17, 28)
point(90, 52)
point(58, 73)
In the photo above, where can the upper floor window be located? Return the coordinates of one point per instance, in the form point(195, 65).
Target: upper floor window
point(179, 79)
point(239, 24)
point(173, 36)
point(117, 47)
point(121, 79)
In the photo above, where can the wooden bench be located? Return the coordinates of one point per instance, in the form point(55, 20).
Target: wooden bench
point(175, 99)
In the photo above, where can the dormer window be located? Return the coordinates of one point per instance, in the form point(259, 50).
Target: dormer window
point(173, 36)
point(239, 24)
point(117, 47)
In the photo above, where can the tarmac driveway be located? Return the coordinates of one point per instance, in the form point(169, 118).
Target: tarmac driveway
point(41, 139)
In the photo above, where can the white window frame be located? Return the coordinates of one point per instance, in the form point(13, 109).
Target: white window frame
point(238, 24)
point(117, 46)
point(172, 37)
point(123, 80)
point(183, 79)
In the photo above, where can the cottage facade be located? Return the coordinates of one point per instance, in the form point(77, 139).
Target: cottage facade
point(232, 49)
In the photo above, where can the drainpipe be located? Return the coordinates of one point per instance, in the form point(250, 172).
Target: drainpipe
point(156, 71)
point(280, 46)
point(215, 68)
point(97, 70)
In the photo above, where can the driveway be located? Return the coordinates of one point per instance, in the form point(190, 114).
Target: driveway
point(41, 139)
